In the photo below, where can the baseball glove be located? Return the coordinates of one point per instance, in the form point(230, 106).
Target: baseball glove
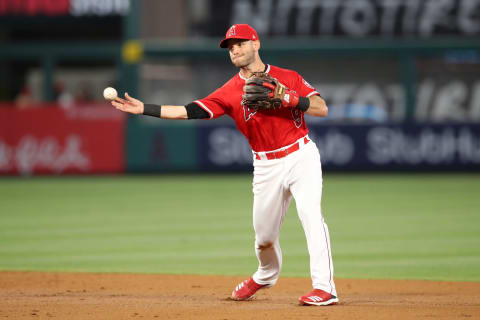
point(263, 92)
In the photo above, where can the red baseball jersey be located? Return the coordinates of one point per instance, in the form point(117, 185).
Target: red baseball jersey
point(264, 130)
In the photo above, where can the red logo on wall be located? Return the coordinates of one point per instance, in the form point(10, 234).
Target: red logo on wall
point(35, 7)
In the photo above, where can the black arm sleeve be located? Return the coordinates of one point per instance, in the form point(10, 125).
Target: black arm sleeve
point(303, 104)
point(194, 111)
point(152, 110)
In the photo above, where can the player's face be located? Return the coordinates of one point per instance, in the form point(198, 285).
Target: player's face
point(242, 52)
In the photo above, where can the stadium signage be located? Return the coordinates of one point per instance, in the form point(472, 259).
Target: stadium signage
point(47, 153)
point(361, 147)
point(388, 146)
point(228, 147)
point(436, 100)
point(51, 140)
point(63, 7)
point(359, 18)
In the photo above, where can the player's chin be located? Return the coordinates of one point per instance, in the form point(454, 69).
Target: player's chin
point(239, 63)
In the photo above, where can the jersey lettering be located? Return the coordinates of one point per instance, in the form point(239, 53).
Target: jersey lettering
point(297, 117)
point(247, 112)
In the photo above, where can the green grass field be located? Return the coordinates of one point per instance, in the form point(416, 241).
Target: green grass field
point(408, 226)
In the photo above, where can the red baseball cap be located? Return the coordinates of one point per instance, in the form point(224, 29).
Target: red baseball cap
point(239, 31)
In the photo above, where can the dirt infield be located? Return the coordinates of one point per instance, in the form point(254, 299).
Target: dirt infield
point(37, 295)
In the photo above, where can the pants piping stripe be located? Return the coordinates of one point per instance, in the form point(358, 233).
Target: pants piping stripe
point(329, 258)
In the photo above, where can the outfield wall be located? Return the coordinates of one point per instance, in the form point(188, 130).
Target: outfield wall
point(47, 139)
point(218, 146)
point(366, 147)
point(99, 139)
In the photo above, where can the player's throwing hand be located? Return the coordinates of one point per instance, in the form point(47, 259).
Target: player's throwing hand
point(130, 105)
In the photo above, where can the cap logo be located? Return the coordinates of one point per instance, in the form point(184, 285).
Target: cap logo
point(231, 31)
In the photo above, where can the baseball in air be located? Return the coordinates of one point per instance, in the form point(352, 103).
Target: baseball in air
point(110, 93)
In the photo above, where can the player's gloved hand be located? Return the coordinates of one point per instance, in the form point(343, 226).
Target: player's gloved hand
point(264, 92)
point(288, 97)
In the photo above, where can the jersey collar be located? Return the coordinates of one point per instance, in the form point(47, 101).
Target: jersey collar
point(267, 70)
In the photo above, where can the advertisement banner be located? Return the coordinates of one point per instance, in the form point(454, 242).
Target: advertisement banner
point(372, 147)
point(63, 7)
point(52, 140)
point(224, 149)
point(349, 18)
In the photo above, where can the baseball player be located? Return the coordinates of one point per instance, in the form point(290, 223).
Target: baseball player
point(268, 104)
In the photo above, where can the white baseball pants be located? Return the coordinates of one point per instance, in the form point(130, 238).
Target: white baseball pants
point(299, 174)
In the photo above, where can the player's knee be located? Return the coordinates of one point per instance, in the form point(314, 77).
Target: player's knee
point(264, 245)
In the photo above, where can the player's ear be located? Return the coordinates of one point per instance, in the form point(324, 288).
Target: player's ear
point(256, 44)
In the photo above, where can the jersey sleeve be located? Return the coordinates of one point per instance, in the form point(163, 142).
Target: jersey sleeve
point(214, 104)
point(303, 88)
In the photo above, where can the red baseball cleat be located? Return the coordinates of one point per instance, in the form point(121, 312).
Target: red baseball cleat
point(246, 290)
point(318, 298)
